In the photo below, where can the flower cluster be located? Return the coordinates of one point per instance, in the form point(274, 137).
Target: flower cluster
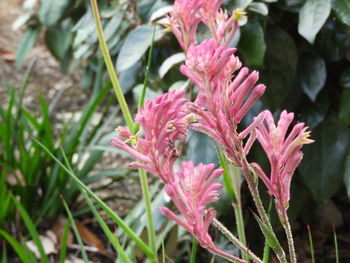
point(191, 191)
point(224, 98)
point(283, 153)
point(163, 122)
point(187, 14)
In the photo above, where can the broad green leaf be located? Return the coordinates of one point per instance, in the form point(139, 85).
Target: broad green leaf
point(260, 8)
point(312, 74)
point(201, 148)
point(252, 45)
point(342, 9)
point(344, 108)
point(314, 113)
point(291, 5)
point(280, 66)
point(135, 45)
point(58, 41)
point(323, 165)
point(312, 16)
point(347, 174)
point(345, 79)
point(27, 42)
point(150, 94)
point(128, 77)
point(50, 11)
point(170, 62)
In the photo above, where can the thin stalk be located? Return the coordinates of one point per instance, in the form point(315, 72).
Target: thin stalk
point(110, 68)
point(193, 251)
point(266, 255)
point(311, 245)
point(250, 176)
point(237, 207)
point(148, 206)
point(129, 121)
point(236, 241)
point(336, 246)
point(288, 230)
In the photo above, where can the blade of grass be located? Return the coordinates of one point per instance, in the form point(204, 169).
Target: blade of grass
point(129, 121)
point(311, 245)
point(104, 206)
point(63, 248)
point(336, 246)
point(76, 232)
point(16, 246)
point(110, 68)
point(4, 254)
point(193, 251)
point(112, 239)
point(31, 229)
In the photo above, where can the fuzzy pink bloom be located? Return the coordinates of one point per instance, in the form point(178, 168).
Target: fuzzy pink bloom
point(283, 152)
point(184, 20)
point(191, 191)
point(222, 26)
point(163, 122)
point(224, 98)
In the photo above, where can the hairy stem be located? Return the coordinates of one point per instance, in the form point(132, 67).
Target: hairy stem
point(250, 176)
point(288, 230)
point(236, 241)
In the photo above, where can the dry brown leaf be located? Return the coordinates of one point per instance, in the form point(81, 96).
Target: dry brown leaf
point(58, 229)
point(90, 238)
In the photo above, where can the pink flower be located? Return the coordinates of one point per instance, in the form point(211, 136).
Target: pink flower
point(224, 99)
point(222, 26)
point(184, 20)
point(191, 191)
point(163, 122)
point(283, 152)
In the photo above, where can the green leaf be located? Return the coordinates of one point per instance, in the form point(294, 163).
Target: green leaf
point(312, 17)
point(16, 246)
point(280, 66)
point(252, 45)
point(201, 148)
point(323, 165)
point(150, 94)
point(170, 62)
point(27, 42)
point(260, 8)
point(312, 74)
point(50, 11)
point(342, 9)
point(345, 79)
point(344, 108)
point(135, 45)
point(31, 229)
point(58, 41)
point(268, 234)
point(347, 174)
point(314, 113)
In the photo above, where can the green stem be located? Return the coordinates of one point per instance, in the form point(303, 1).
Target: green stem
point(250, 176)
point(288, 230)
point(148, 206)
point(129, 121)
point(236, 241)
point(110, 68)
point(237, 206)
point(193, 251)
